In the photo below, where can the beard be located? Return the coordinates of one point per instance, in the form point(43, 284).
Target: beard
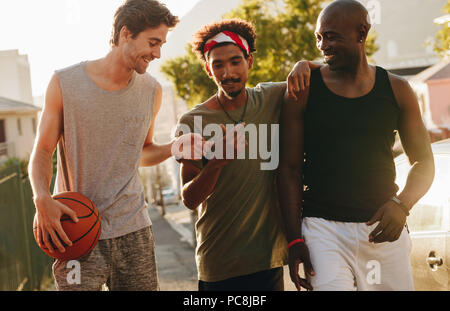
point(235, 93)
point(232, 94)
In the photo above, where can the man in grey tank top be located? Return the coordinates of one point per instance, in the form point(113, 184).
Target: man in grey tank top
point(101, 115)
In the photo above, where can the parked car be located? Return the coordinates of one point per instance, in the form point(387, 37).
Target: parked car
point(429, 223)
point(169, 195)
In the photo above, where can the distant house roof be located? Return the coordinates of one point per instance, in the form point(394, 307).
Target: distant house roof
point(438, 71)
point(10, 105)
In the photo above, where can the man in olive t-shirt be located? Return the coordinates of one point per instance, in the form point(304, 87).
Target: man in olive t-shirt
point(240, 238)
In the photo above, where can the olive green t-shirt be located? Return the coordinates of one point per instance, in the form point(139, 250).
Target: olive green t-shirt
point(239, 228)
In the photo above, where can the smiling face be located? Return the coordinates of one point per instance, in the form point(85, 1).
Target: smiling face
point(229, 68)
point(140, 50)
point(337, 39)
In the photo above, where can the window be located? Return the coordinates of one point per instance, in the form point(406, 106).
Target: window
point(432, 212)
point(2, 138)
point(2, 131)
point(426, 217)
point(19, 126)
point(33, 124)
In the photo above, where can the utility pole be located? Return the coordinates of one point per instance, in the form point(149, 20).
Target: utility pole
point(158, 181)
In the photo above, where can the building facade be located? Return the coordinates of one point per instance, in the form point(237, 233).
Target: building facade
point(18, 123)
point(15, 79)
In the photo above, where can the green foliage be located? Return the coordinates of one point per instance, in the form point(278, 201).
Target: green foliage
point(189, 78)
point(442, 42)
point(15, 162)
point(285, 36)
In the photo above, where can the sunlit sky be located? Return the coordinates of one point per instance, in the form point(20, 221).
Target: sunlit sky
point(58, 33)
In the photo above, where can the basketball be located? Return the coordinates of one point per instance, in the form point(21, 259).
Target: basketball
point(84, 234)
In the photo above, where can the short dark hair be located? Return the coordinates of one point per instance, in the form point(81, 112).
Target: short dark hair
point(238, 26)
point(139, 15)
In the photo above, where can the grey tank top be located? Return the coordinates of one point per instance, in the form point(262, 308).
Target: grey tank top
point(100, 149)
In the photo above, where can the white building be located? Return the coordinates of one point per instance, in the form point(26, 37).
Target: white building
point(406, 32)
point(18, 123)
point(15, 79)
point(171, 110)
point(18, 117)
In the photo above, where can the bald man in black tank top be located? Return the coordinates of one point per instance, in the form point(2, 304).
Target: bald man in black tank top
point(350, 230)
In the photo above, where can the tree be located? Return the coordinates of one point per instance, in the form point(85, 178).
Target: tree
point(285, 36)
point(442, 42)
point(189, 78)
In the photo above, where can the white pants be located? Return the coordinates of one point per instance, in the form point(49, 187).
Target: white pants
point(344, 260)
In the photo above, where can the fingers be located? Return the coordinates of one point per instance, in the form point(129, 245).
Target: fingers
point(207, 147)
point(38, 234)
point(375, 218)
point(305, 284)
point(37, 231)
point(396, 236)
point(52, 235)
point(299, 79)
point(70, 212)
point(293, 272)
point(197, 146)
point(307, 78)
point(375, 232)
point(56, 241)
point(382, 237)
point(308, 266)
point(188, 147)
point(390, 233)
point(49, 231)
point(298, 281)
point(292, 85)
point(197, 151)
point(47, 243)
point(62, 235)
point(301, 83)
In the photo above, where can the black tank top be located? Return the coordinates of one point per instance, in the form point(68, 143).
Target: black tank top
point(349, 167)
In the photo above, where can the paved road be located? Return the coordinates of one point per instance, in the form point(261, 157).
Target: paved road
point(175, 256)
point(175, 259)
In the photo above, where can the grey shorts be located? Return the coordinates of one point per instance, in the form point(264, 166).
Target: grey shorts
point(124, 263)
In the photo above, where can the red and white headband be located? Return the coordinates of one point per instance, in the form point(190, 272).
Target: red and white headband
point(226, 36)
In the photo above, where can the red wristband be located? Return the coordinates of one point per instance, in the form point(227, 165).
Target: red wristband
point(292, 243)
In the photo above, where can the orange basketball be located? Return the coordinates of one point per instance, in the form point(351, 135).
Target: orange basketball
point(84, 234)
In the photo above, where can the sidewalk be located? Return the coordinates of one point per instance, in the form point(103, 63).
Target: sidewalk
point(179, 219)
point(175, 258)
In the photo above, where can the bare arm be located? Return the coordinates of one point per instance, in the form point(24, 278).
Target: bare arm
point(152, 153)
point(290, 184)
point(299, 78)
point(198, 184)
point(416, 143)
point(188, 146)
point(291, 161)
point(49, 131)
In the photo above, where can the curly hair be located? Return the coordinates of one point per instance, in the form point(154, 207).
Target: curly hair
point(138, 15)
point(239, 26)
